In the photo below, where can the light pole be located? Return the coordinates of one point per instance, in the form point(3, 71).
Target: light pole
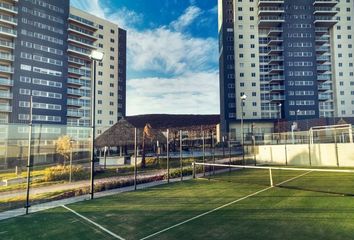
point(95, 56)
point(243, 99)
point(29, 157)
point(105, 156)
point(297, 115)
point(278, 125)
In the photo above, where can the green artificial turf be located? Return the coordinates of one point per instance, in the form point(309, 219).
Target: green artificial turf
point(314, 206)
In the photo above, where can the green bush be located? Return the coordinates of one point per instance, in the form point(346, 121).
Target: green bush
point(187, 171)
point(60, 173)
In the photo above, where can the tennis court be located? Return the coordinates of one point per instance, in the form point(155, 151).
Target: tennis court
point(237, 203)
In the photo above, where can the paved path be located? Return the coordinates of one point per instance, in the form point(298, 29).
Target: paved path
point(75, 185)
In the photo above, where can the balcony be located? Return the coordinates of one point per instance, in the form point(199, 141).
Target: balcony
point(75, 92)
point(80, 51)
point(276, 51)
point(276, 60)
point(322, 59)
point(328, 11)
point(6, 82)
point(323, 97)
point(74, 103)
point(8, 19)
point(81, 41)
point(6, 56)
point(8, 8)
point(82, 21)
point(322, 40)
point(5, 108)
point(276, 78)
point(325, 3)
point(6, 69)
point(323, 77)
point(323, 87)
point(7, 44)
point(5, 95)
point(270, 21)
point(270, 10)
point(76, 82)
point(276, 69)
point(322, 50)
point(277, 88)
point(275, 41)
point(75, 113)
point(78, 30)
point(275, 32)
point(8, 31)
point(277, 98)
point(325, 21)
point(321, 31)
point(323, 68)
point(264, 3)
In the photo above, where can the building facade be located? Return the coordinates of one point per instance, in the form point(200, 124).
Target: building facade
point(86, 33)
point(45, 49)
point(292, 59)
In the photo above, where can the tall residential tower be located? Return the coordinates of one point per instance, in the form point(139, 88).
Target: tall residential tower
point(45, 48)
point(292, 59)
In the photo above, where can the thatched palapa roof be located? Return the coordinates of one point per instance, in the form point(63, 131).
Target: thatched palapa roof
point(123, 134)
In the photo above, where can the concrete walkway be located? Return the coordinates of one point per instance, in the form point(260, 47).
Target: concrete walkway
point(74, 185)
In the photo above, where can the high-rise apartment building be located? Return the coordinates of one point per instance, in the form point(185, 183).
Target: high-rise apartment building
point(292, 59)
point(86, 33)
point(45, 48)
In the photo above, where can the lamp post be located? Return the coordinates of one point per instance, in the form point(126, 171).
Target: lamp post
point(95, 56)
point(243, 99)
point(29, 155)
point(278, 125)
point(297, 116)
point(105, 157)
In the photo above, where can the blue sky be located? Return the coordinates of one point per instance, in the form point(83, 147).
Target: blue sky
point(172, 53)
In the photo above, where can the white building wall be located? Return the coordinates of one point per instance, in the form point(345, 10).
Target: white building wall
point(343, 55)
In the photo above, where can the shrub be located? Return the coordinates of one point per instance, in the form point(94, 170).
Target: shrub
point(60, 173)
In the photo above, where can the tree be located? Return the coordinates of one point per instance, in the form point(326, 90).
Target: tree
point(63, 147)
point(147, 134)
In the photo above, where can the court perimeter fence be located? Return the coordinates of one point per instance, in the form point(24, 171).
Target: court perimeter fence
point(44, 163)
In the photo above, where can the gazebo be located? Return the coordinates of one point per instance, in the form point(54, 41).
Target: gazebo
point(122, 136)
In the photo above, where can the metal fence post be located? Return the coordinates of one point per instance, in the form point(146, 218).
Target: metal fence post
point(336, 147)
point(180, 153)
point(309, 144)
point(168, 158)
point(135, 158)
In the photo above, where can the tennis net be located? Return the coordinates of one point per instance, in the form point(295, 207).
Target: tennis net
point(325, 180)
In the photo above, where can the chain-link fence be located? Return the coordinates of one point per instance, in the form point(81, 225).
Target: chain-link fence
point(60, 166)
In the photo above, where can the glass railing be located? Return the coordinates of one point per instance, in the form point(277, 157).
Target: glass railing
point(7, 82)
point(6, 69)
point(5, 108)
point(6, 56)
point(8, 30)
point(82, 20)
point(6, 95)
point(8, 7)
point(8, 44)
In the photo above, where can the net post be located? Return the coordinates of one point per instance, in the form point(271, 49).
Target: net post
point(271, 177)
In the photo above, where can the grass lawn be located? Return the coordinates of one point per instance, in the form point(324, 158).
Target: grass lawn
point(310, 207)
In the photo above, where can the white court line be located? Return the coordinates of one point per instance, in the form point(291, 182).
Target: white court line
point(92, 222)
point(218, 208)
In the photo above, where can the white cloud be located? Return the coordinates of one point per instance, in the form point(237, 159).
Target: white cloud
point(192, 93)
point(189, 15)
point(92, 6)
point(190, 62)
point(168, 51)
